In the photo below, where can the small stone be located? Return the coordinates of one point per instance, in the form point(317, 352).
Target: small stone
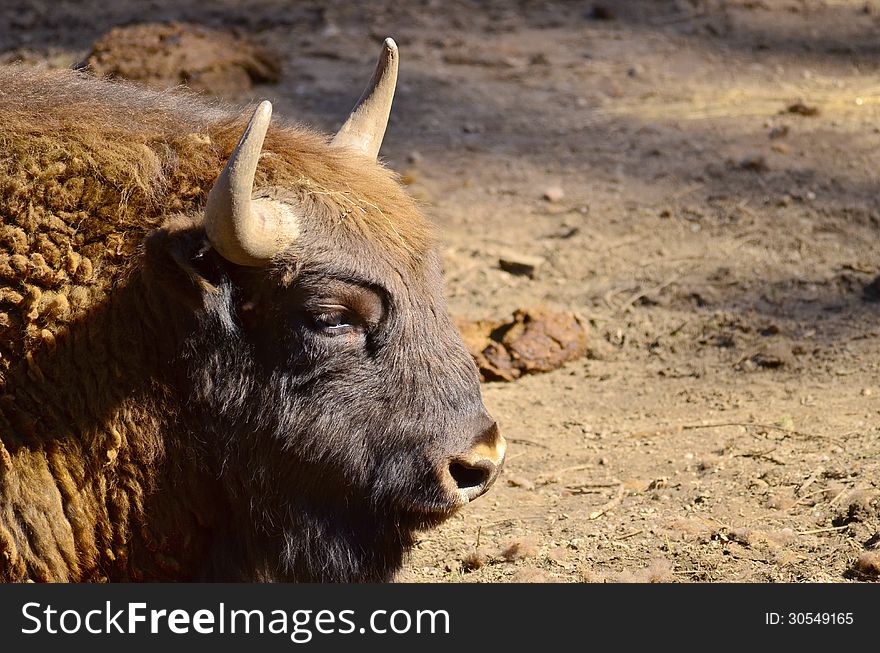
point(553, 194)
point(520, 264)
point(802, 109)
point(780, 148)
point(601, 12)
point(780, 131)
point(636, 70)
point(868, 565)
point(754, 162)
point(519, 481)
point(774, 356)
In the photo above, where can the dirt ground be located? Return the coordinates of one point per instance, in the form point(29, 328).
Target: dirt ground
point(717, 229)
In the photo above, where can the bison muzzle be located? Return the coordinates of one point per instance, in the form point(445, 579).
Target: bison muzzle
point(224, 348)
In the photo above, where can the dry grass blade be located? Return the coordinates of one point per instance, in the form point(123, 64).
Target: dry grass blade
point(605, 507)
point(829, 529)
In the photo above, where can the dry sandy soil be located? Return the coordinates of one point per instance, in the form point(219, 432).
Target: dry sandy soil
point(718, 231)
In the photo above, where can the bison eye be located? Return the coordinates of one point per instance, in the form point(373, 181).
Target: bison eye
point(333, 321)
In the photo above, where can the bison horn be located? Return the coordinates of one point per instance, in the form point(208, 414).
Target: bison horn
point(247, 231)
point(365, 127)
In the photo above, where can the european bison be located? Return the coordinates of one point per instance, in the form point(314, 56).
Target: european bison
point(225, 349)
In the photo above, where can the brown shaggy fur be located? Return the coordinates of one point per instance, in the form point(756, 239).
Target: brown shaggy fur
point(87, 169)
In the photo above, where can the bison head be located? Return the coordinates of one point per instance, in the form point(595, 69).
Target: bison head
point(334, 398)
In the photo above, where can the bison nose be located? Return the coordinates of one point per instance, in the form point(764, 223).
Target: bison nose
point(474, 472)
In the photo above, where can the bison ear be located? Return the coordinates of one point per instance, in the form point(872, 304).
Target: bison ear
point(365, 127)
point(179, 259)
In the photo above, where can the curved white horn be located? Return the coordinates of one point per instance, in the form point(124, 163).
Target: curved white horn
point(365, 127)
point(243, 230)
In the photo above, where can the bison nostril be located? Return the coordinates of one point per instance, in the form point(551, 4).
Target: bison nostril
point(472, 478)
point(468, 476)
point(471, 473)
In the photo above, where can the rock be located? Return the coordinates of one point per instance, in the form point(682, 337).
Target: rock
point(165, 55)
point(553, 194)
point(518, 481)
point(754, 162)
point(601, 12)
point(773, 356)
point(867, 567)
point(800, 108)
point(520, 264)
point(636, 70)
point(780, 148)
point(534, 341)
